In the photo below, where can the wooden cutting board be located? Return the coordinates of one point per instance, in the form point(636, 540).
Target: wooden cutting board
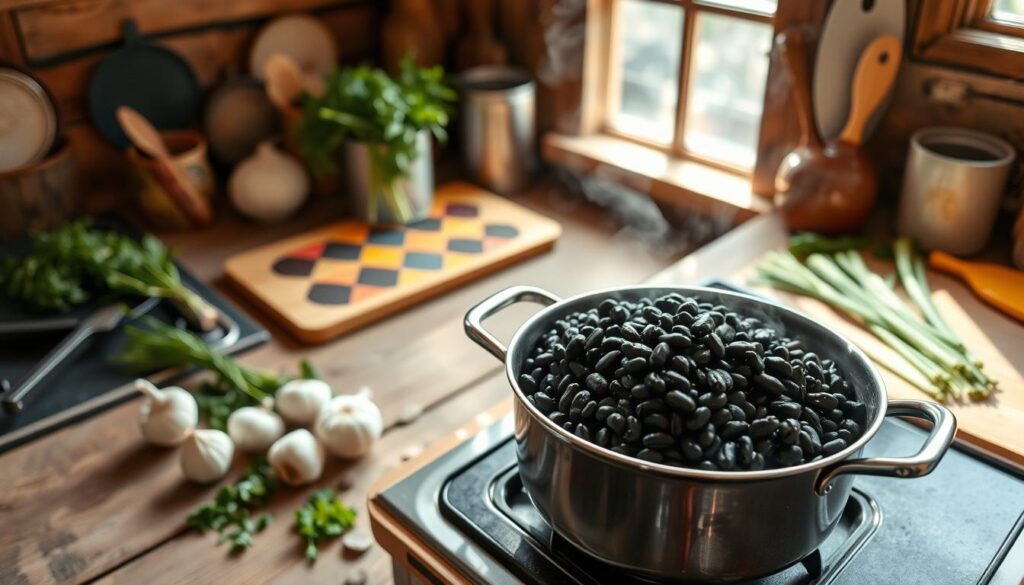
point(334, 279)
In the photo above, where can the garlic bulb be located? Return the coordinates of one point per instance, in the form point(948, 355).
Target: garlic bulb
point(297, 457)
point(269, 185)
point(254, 428)
point(206, 455)
point(300, 401)
point(349, 425)
point(168, 415)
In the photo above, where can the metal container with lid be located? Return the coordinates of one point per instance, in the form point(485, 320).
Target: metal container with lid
point(681, 523)
point(498, 135)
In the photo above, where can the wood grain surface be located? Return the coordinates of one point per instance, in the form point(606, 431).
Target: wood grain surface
point(94, 502)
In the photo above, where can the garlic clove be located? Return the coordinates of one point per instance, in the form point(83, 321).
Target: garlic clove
point(297, 458)
point(167, 416)
point(300, 401)
point(254, 429)
point(206, 455)
point(349, 425)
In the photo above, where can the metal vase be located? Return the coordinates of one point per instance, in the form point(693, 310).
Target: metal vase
point(369, 194)
point(498, 134)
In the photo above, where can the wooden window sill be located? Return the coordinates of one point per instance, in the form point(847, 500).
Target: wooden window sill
point(682, 182)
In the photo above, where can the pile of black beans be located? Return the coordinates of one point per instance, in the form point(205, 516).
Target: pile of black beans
point(690, 384)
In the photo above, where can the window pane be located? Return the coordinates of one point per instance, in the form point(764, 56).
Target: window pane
point(726, 88)
point(1008, 10)
point(762, 6)
point(646, 94)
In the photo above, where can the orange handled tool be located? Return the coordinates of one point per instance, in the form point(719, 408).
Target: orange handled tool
point(1000, 286)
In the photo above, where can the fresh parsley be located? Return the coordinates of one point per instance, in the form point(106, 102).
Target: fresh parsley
point(325, 516)
point(74, 263)
point(230, 513)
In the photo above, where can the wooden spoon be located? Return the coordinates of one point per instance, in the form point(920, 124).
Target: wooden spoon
point(832, 189)
point(1000, 286)
point(286, 82)
point(178, 187)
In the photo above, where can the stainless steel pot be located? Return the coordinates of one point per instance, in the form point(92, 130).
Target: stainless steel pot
point(669, 522)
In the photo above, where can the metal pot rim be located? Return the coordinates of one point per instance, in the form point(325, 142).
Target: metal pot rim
point(592, 449)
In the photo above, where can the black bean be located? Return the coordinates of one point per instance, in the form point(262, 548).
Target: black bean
point(544, 402)
point(706, 438)
point(658, 440)
point(789, 455)
point(676, 341)
point(583, 432)
point(715, 345)
point(657, 422)
point(857, 411)
point(616, 422)
point(680, 364)
point(660, 354)
point(832, 447)
point(650, 455)
point(763, 427)
point(754, 362)
point(603, 412)
point(712, 400)
point(575, 347)
point(656, 383)
point(736, 349)
point(700, 417)
point(778, 367)
point(691, 450)
point(744, 451)
point(608, 361)
point(636, 365)
point(701, 356)
point(702, 325)
point(640, 392)
point(676, 425)
point(845, 435)
point(577, 369)
point(527, 384)
point(580, 399)
point(603, 436)
point(544, 360)
point(769, 384)
point(738, 380)
point(721, 416)
point(650, 407)
point(726, 457)
point(785, 409)
point(589, 409)
point(680, 401)
point(594, 339)
point(611, 343)
point(597, 384)
point(737, 412)
point(822, 401)
point(733, 429)
point(633, 429)
point(850, 426)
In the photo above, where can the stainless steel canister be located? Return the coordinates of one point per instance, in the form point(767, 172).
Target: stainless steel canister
point(498, 134)
point(952, 187)
point(369, 199)
point(688, 524)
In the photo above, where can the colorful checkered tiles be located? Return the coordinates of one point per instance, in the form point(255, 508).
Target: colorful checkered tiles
point(358, 261)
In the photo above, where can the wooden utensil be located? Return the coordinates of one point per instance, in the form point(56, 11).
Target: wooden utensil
point(180, 189)
point(831, 189)
point(1000, 286)
point(286, 82)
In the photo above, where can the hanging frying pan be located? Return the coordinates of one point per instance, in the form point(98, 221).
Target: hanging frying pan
point(850, 27)
point(152, 80)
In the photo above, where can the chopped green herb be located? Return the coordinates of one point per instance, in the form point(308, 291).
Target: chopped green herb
point(325, 516)
point(806, 243)
point(230, 512)
point(307, 371)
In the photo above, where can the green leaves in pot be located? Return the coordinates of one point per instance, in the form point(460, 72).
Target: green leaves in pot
point(368, 105)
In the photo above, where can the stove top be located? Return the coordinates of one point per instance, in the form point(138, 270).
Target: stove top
point(961, 524)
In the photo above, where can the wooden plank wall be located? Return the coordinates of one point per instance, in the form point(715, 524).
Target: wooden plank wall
point(61, 41)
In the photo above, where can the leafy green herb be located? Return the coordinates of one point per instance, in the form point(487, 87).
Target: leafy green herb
point(325, 516)
point(806, 243)
point(159, 346)
point(74, 263)
point(307, 371)
point(366, 104)
point(230, 513)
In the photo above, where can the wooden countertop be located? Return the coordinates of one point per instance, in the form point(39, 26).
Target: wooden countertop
point(94, 503)
point(995, 425)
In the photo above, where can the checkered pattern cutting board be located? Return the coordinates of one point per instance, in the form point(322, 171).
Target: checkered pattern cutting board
point(320, 283)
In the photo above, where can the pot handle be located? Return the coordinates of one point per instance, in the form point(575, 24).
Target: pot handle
point(916, 465)
point(473, 322)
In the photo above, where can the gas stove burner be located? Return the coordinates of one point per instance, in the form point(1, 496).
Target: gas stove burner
point(507, 512)
point(961, 524)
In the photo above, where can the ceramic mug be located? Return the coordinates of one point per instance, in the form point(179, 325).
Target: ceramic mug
point(189, 154)
point(952, 188)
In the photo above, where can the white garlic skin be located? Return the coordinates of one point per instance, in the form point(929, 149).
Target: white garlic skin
point(167, 416)
point(300, 401)
point(297, 458)
point(206, 455)
point(254, 428)
point(349, 425)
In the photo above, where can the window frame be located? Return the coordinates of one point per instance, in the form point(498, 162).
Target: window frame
point(961, 33)
point(608, 85)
